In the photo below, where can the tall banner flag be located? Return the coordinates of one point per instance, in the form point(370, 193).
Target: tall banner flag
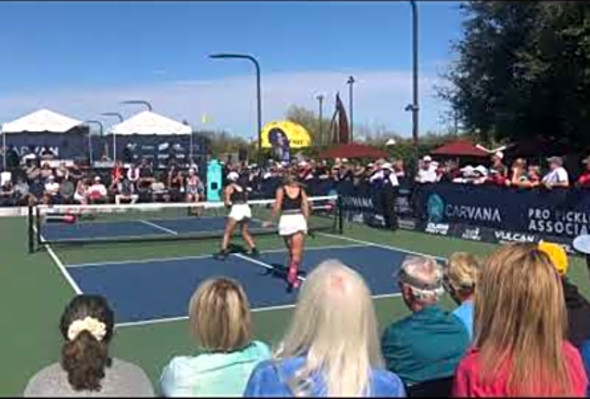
point(343, 131)
point(339, 124)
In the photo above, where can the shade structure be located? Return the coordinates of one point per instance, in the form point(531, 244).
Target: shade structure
point(148, 122)
point(353, 151)
point(43, 120)
point(461, 148)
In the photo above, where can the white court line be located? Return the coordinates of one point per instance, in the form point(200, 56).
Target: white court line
point(61, 266)
point(256, 310)
point(372, 244)
point(260, 263)
point(157, 226)
point(195, 257)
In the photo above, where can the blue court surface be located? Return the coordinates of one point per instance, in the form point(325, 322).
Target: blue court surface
point(154, 290)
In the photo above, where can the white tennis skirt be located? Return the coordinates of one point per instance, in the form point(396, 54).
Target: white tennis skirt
point(240, 212)
point(292, 223)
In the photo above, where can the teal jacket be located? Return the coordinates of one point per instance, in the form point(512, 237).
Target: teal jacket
point(212, 374)
point(424, 346)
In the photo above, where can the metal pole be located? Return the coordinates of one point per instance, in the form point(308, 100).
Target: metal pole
point(350, 83)
point(320, 98)
point(146, 103)
point(415, 108)
point(118, 115)
point(4, 148)
point(101, 128)
point(258, 94)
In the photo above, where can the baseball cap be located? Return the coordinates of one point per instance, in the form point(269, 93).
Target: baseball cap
point(586, 160)
point(427, 158)
point(387, 165)
point(582, 243)
point(556, 254)
point(499, 154)
point(481, 169)
point(556, 160)
point(233, 176)
point(97, 178)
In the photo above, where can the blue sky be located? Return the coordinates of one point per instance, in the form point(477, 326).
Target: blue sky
point(82, 58)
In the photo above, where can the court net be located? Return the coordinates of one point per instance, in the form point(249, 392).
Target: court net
point(82, 224)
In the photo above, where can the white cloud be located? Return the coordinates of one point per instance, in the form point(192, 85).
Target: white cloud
point(379, 98)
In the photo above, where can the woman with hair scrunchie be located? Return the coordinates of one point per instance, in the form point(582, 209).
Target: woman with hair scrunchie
point(85, 367)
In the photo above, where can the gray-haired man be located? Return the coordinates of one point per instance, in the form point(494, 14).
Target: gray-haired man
point(429, 343)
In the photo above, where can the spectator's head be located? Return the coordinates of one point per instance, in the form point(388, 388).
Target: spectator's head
point(335, 329)
point(426, 161)
point(556, 255)
point(421, 282)
point(555, 162)
point(220, 315)
point(87, 328)
point(97, 180)
point(534, 170)
point(497, 157)
point(519, 163)
point(233, 177)
point(520, 319)
point(461, 276)
point(586, 161)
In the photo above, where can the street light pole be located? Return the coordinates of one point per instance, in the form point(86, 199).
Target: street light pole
point(350, 82)
point(101, 129)
point(320, 98)
point(258, 93)
point(118, 115)
point(146, 103)
point(415, 108)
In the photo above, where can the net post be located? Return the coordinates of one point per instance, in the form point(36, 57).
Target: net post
point(340, 215)
point(31, 230)
point(38, 225)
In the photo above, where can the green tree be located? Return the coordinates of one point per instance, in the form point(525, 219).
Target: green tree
point(310, 121)
point(523, 70)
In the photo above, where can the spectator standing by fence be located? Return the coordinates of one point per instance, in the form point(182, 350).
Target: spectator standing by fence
point(497, 164)
point(584, 178)
point(426, 172)
point(557, 176)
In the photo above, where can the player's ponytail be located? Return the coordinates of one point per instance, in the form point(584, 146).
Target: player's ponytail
point(87, 326)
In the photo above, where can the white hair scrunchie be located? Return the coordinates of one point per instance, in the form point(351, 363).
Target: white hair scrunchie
point(94, 326)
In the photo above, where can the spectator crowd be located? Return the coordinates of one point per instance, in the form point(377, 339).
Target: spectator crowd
point(520, 328)
point(38, 182)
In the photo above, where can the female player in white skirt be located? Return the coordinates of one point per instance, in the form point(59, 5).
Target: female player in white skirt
point(236, 198)
point(291, 202)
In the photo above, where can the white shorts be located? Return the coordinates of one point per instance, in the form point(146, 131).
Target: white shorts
point(292, 223)
point(240, 212)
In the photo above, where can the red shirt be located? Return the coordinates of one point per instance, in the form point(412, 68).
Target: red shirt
point(584, 179)
point(468, 384)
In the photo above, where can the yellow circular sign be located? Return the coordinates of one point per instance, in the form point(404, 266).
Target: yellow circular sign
point(285, 132)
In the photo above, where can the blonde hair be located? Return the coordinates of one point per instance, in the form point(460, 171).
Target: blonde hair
point(335, 329)
point(220, 315)
point(462, 272)
point(520, 320)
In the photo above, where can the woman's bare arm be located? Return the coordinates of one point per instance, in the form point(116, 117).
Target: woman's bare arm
point(304, 204)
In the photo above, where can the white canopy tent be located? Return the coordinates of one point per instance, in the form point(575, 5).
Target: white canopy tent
point(148, 123)
point(43, 120)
